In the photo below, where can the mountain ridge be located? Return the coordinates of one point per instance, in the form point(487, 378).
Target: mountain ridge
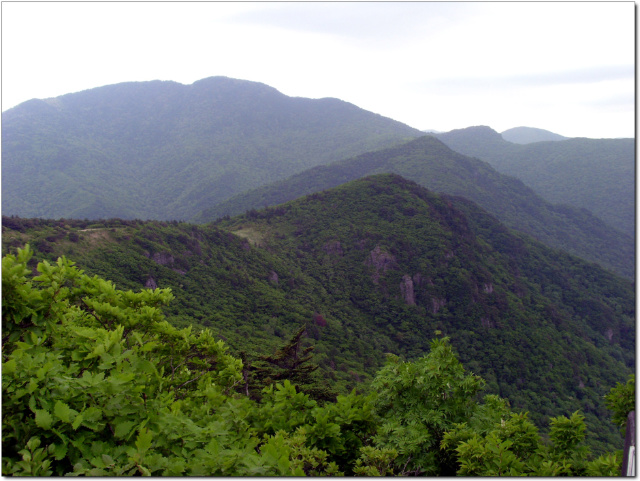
point(594, 174)
point(528, 135)
point(431, 163)
point(372, 266)
point(161, 149)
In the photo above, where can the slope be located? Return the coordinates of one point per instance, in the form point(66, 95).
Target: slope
point(163, 150)
point(429, 162)
point(594, 174)
point(374, 266)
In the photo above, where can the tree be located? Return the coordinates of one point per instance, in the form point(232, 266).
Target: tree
point(513, 447)
point(291, 362)
point(621, 400)
point(96, 382)
point(418, 402)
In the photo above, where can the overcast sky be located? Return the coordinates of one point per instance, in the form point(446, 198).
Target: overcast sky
point(565, 67)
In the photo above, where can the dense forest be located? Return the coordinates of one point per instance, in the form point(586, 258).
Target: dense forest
point(217, 279)
point(432, 164)
point(95, 382)
point(378, 266)
point(163, 150)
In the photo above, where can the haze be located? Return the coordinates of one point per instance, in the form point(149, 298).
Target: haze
point(566, 67)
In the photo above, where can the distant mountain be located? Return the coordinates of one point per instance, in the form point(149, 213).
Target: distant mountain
point(432, 164)
point(377, 266)
point(163, 150)
point(594, 174)
point(528, 135)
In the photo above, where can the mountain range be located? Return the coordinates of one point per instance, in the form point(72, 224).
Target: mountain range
point(163, 150)
point(432, 164)
point(371, 235)
point(378, 265)
point(593, 174)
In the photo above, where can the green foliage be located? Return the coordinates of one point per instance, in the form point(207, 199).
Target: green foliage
point(433, 165)
point(91, 371)
point(513, 447)
point(96, 382)
point(418, 401)
point(162, 150)
point(370, 268)
point(621, 400)
point(291, 363)
point(375, 462)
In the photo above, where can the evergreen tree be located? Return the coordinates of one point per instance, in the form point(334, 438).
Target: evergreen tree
point(291, 362)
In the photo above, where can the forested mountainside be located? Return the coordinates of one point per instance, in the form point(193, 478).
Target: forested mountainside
point(378, 266)
point(528, 135)
point(594, 174)
point(163, 150)
point(432, 164)
point(113, 389)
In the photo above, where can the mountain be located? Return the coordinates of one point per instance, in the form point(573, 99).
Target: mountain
point(432, 164)
point(163, 150)
point(377, 266)
point(593, 174)
point(528, 135)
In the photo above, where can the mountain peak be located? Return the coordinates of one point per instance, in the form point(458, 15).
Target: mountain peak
point(529, 135)
point(222, 82)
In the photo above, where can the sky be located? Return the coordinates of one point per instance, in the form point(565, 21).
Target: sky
point(567, 67)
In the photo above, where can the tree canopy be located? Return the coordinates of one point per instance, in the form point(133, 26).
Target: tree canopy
point(96, 382)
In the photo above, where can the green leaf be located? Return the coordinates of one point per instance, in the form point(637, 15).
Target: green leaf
point(124, 428)
point(143, 442)
point(43, 419)
point(76, 422)
point(9, 367)
point(60, 451)
point(63, 412)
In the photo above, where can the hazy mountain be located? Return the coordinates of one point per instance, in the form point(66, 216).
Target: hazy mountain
point(528, 135)
point(376, 266)
point(432, 164)
point(164, 150)
point(594, 174)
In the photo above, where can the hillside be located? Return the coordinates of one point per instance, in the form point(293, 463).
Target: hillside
point(528, 135)
point(593, 174)
point(377, 266)
point(430, 163)
point(163, 150)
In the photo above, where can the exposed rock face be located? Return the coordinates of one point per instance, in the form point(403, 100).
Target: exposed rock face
point(609, 334)
point(406, 289)
point(488, 288)
point(437, 304)
point(273, 277)
point(163, 258)
point(333, 248)
point(151, 283)
point(381, 262)
point(488, 323)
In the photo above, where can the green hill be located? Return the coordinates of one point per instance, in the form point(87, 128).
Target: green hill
point(593, 174)
point(372, 267)
point(432, 164)
point(163, 150)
